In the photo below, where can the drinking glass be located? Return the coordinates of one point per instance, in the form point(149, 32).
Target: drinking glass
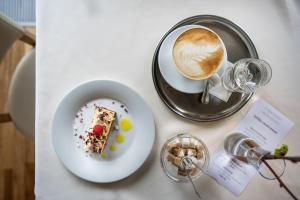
point(246, 75)
point(247, 150)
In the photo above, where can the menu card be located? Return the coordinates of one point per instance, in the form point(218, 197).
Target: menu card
point(268, 127)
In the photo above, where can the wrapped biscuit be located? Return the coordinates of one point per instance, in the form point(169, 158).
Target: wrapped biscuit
point(199, 155)
point(191, 152)
point(174, 160)
point(186, 172)
point(179, 152)
point(199, 147)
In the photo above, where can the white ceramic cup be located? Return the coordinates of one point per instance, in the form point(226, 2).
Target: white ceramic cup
point(168, 67)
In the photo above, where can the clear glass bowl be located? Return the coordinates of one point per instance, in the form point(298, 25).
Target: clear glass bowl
point(171, 170)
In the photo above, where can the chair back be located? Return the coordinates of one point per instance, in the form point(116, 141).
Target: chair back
point(9, 33)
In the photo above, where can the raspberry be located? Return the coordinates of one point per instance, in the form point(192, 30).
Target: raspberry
point(98, 130)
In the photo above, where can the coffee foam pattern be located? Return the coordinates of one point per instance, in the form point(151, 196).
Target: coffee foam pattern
point(198, 53)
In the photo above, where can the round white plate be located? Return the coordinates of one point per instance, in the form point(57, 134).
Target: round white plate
point(88, 167)
point(168, 68)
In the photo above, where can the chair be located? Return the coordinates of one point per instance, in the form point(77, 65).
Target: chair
point(21, 95)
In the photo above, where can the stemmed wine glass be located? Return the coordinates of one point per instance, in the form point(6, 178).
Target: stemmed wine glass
point(246, 75)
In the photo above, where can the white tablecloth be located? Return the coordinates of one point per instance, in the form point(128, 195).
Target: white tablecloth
point(80, 40)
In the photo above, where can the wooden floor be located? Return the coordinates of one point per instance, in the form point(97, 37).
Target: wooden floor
point(16, 151)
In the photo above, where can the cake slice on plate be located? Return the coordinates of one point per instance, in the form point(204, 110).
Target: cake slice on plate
point(101, 126)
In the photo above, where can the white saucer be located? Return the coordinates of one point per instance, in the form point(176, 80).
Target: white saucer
point(93, 168)
point(168, 69)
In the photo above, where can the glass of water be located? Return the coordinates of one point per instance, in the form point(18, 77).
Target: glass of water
point(246, 75)
point(247, 150)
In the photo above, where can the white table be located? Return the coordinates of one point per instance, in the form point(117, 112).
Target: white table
point(80, 40)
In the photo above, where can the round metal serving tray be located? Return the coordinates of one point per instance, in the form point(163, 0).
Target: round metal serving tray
point(238, 45)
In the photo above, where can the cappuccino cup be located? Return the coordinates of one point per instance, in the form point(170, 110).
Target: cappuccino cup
point(198, 53)
point(190, 54)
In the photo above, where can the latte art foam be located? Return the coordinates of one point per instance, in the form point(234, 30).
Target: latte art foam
point(198, 53)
